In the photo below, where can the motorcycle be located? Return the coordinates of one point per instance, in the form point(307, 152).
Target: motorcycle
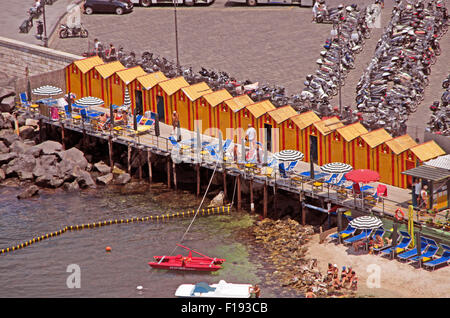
point(67, 32)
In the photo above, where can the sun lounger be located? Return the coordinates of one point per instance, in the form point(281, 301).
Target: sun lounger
point(413, 252)
point(345, 233)
point(405, 241)
point(431, 251)
point(282, 170)
point(362, 236)
point(317, 175)
point(444, 259)
point(332, 178)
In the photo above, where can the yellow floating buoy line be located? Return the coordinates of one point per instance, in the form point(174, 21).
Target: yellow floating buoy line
point(162, 217)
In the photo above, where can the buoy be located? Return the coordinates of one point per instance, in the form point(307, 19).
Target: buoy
point(139, 288)
point(108, 248)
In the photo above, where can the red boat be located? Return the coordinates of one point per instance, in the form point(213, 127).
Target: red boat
point(188, 263)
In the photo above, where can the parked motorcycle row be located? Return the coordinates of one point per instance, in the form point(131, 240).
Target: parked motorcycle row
point(336, 61)
point(439, 122)
point(393, 84)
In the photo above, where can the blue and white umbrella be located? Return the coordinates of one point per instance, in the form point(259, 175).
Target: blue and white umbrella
point(47, 90)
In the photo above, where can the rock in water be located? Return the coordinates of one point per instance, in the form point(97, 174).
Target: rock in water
point(123, 178)
point(71, 186)
point(217, 201)
point(29, 192)
point(102, 167)
point(75, 156)
point(106, 179)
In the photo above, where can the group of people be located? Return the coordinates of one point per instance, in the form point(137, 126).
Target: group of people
point(372, 243)
point(347, 279)
point(109, 55)
point(419, 194)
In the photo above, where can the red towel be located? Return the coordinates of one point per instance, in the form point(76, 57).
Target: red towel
point(382, 190)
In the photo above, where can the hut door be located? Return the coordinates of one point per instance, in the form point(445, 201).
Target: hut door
point(138, 95)
point(313, 148)
point(268, 132)
point(160, 109)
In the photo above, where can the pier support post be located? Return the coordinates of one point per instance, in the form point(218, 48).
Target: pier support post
point(224, 174)
point(63, 137)
point(174, 167)
point(168, 173)
point(129, 159)
point(303, 208)
point(275, 198)
point(197, 169)
point(149, 162)
point(239, 194)
point(265, 200)
point(41, 131)
point(252, 204)
point(110, 150)
point(140, 164)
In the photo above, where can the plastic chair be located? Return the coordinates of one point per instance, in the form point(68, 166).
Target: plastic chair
point(24, 100)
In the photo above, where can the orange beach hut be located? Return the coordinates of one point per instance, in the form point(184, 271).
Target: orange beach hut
point(344, 136)
point(166, 101)
point(299, 129)
point(326, 145)
point(147, 85)
point(98, 79)
point(76, 79)
point(364, 146)
point(277, 120)
point(127, 81)
point(214, 113)
point(239, 113)
point(257, 110)
point(188, 100)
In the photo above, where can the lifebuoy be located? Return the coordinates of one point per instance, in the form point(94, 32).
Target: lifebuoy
point(402, 214)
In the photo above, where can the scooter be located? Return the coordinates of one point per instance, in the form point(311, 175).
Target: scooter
point(66, 32)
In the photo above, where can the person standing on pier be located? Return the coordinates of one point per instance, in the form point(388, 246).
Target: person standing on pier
point(251, 136)
point(175, 122)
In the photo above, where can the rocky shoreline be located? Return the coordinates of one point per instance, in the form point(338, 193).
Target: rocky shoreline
point(26, 162)
point(282, 244)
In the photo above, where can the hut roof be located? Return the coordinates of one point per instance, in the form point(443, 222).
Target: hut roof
point(376, 137)
point(305, 119)
point(280, 114)
point(215, 98)
point(149, 80)
point(400, 144)
point(85, 65)
point(427, 150)
point(108, 69)
point(173, 85)
point(238, 102)
point(194, 92)
point(260, 108)
point(130, 74)
point(352, 131)
point(326, 126)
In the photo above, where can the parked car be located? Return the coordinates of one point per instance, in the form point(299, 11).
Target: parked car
point(107, 6)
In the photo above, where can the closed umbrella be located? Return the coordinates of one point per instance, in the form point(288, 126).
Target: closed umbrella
point(336, 167)
point(127, 99)
point(288, 155)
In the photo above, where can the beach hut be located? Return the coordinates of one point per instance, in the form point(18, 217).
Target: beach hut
point(214, 113)
point(240, 117)
point(167, 101)
point(276, 119)
point(417, 155)
point(392, 160)
point(76, 79)
point(98, 80)
point(257, 110)
point(188, 104)
point(325, 147)
point(342, 139)
point(147, 85)
point(125, 79)
point(298, 132)
point(364, 146)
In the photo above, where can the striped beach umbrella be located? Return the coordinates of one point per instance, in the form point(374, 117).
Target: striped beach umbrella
point(47, 90)
point(89, 101)
point(336, 167)
point(289, 155)
point(366, 222)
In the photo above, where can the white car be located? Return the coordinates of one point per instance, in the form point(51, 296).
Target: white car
point(148, 3)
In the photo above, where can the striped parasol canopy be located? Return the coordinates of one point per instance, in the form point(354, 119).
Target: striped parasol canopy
point(289, 155)
point(89, 101)
point(366, 222)
point(126, 99)
point(47, 90)
point(336, 167)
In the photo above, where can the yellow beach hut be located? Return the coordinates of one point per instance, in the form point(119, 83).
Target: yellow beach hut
point(75, 72)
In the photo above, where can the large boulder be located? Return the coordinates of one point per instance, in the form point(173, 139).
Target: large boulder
point(29, 192)
point(20, 166)
point(8, 136)
point(46, 165)
point(48, 147)
point(7, 157)
point(71, 186)
point(74, 156)
point(27, 132)
point(105, 179)
point(85, 180)
point(102, 167)
point(49, 181)
point(123, 178)
point(19, 147)
point(3, 147)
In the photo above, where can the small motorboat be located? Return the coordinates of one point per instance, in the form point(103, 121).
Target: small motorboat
point(220, 290)
point(188, 263)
